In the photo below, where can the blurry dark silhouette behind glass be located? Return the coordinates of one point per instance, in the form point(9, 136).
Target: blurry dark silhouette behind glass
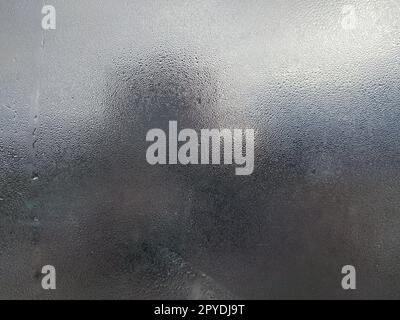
point(76, 191)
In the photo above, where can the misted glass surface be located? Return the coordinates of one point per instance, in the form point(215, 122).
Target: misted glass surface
point(319, 83)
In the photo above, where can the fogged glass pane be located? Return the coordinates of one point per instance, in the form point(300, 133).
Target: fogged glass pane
point(82, 85)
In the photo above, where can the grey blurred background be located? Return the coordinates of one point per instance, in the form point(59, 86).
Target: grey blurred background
point(76, 191)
